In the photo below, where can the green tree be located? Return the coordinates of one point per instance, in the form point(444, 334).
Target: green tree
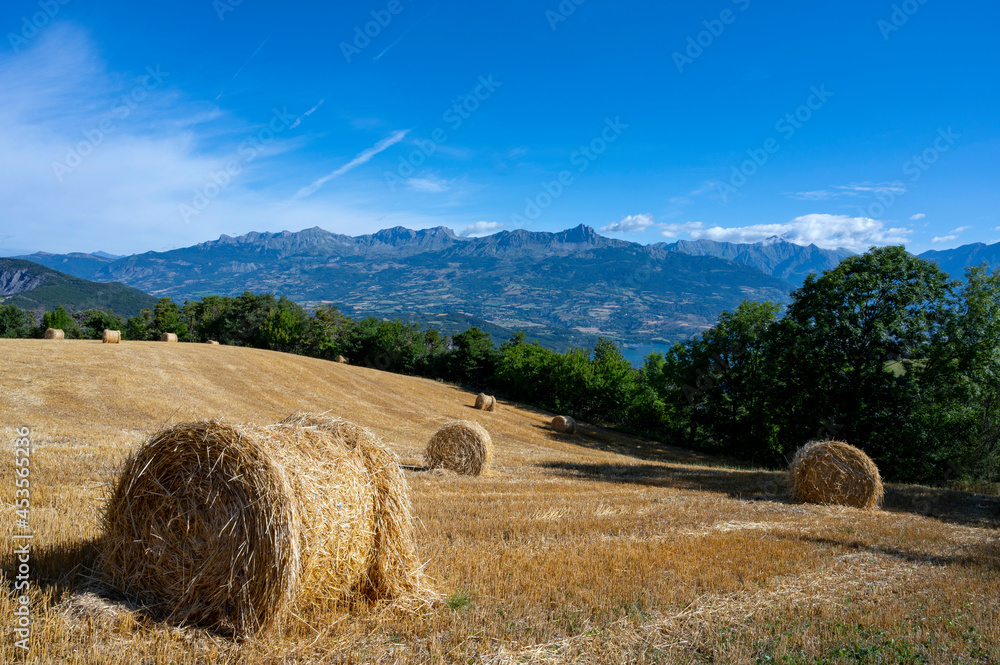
point(284, 328)
point(93, 323)
point(139, 328)
point(60, 319)
point(473, 359)
point(167, 319)
point(14, 322)
point(834, 350)
point(960, 380)
point(731, 396)
point(613, 385)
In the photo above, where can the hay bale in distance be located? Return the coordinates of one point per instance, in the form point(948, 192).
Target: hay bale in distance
point(54, 333)
point(168, 337)
point(564, 425)
point(463, 446)
point(237, 527)
point(342, 359)
point(212, 342)
point(111, 337)
point(834, 472)
point(486, 402)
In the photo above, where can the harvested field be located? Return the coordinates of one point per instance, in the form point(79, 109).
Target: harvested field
point(595, 548)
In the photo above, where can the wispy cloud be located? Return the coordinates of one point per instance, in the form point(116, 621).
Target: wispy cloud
point(481, 229)
point(630, 224)
point(675, 230)
point(853, 189)
point(362, 157)
point(298, 121)
point(940, 239)
point(918, 216)
point(430, 184)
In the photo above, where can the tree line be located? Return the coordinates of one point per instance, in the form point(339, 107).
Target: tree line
point(885, 351)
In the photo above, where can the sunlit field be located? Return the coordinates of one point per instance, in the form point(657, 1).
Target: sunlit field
point(594, 547)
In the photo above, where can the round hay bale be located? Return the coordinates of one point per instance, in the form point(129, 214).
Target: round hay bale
point(212, 342)
point(111, 337)
point(834, 472)
point(463, 446)
point(341, 359)
point(564, 425)
point(486, 402)
point(54, 333)
point(236, 527)
point(168, 337)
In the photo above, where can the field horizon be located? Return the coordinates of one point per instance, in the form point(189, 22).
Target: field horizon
point(594, 547)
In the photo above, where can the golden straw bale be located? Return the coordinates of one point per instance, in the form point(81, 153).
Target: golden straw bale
point(834, 472)
point(341, 359)
point(486, 402)
point(111, 337)
point(238, 527)
point(54, 333)
point(564, 424)
point(462, 446)
point(212, 342)
point(168, 337)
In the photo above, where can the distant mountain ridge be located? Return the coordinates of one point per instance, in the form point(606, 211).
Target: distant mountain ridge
point(31, 286)
point(774, 256)
point(573, 280)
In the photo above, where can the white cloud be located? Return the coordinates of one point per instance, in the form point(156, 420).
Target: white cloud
point(674, 230)
point(429, 184)
point(940, 239)
point(916, 217)
point(362, 157)
point(481, 229)
point(630, 224)
point(958, 230)
point(827, 231)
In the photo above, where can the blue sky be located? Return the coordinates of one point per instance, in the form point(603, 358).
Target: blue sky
point(129, 126)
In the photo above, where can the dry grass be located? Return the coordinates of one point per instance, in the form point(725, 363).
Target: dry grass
point(601, 548)
point(834, 472)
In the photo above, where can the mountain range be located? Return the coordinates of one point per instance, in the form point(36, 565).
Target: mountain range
point(564, 287)
point(32, 286)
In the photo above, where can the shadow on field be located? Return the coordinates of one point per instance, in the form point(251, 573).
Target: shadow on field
point(983, 555)
point(947, 505)
point(598, 438)
point(59, 569)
